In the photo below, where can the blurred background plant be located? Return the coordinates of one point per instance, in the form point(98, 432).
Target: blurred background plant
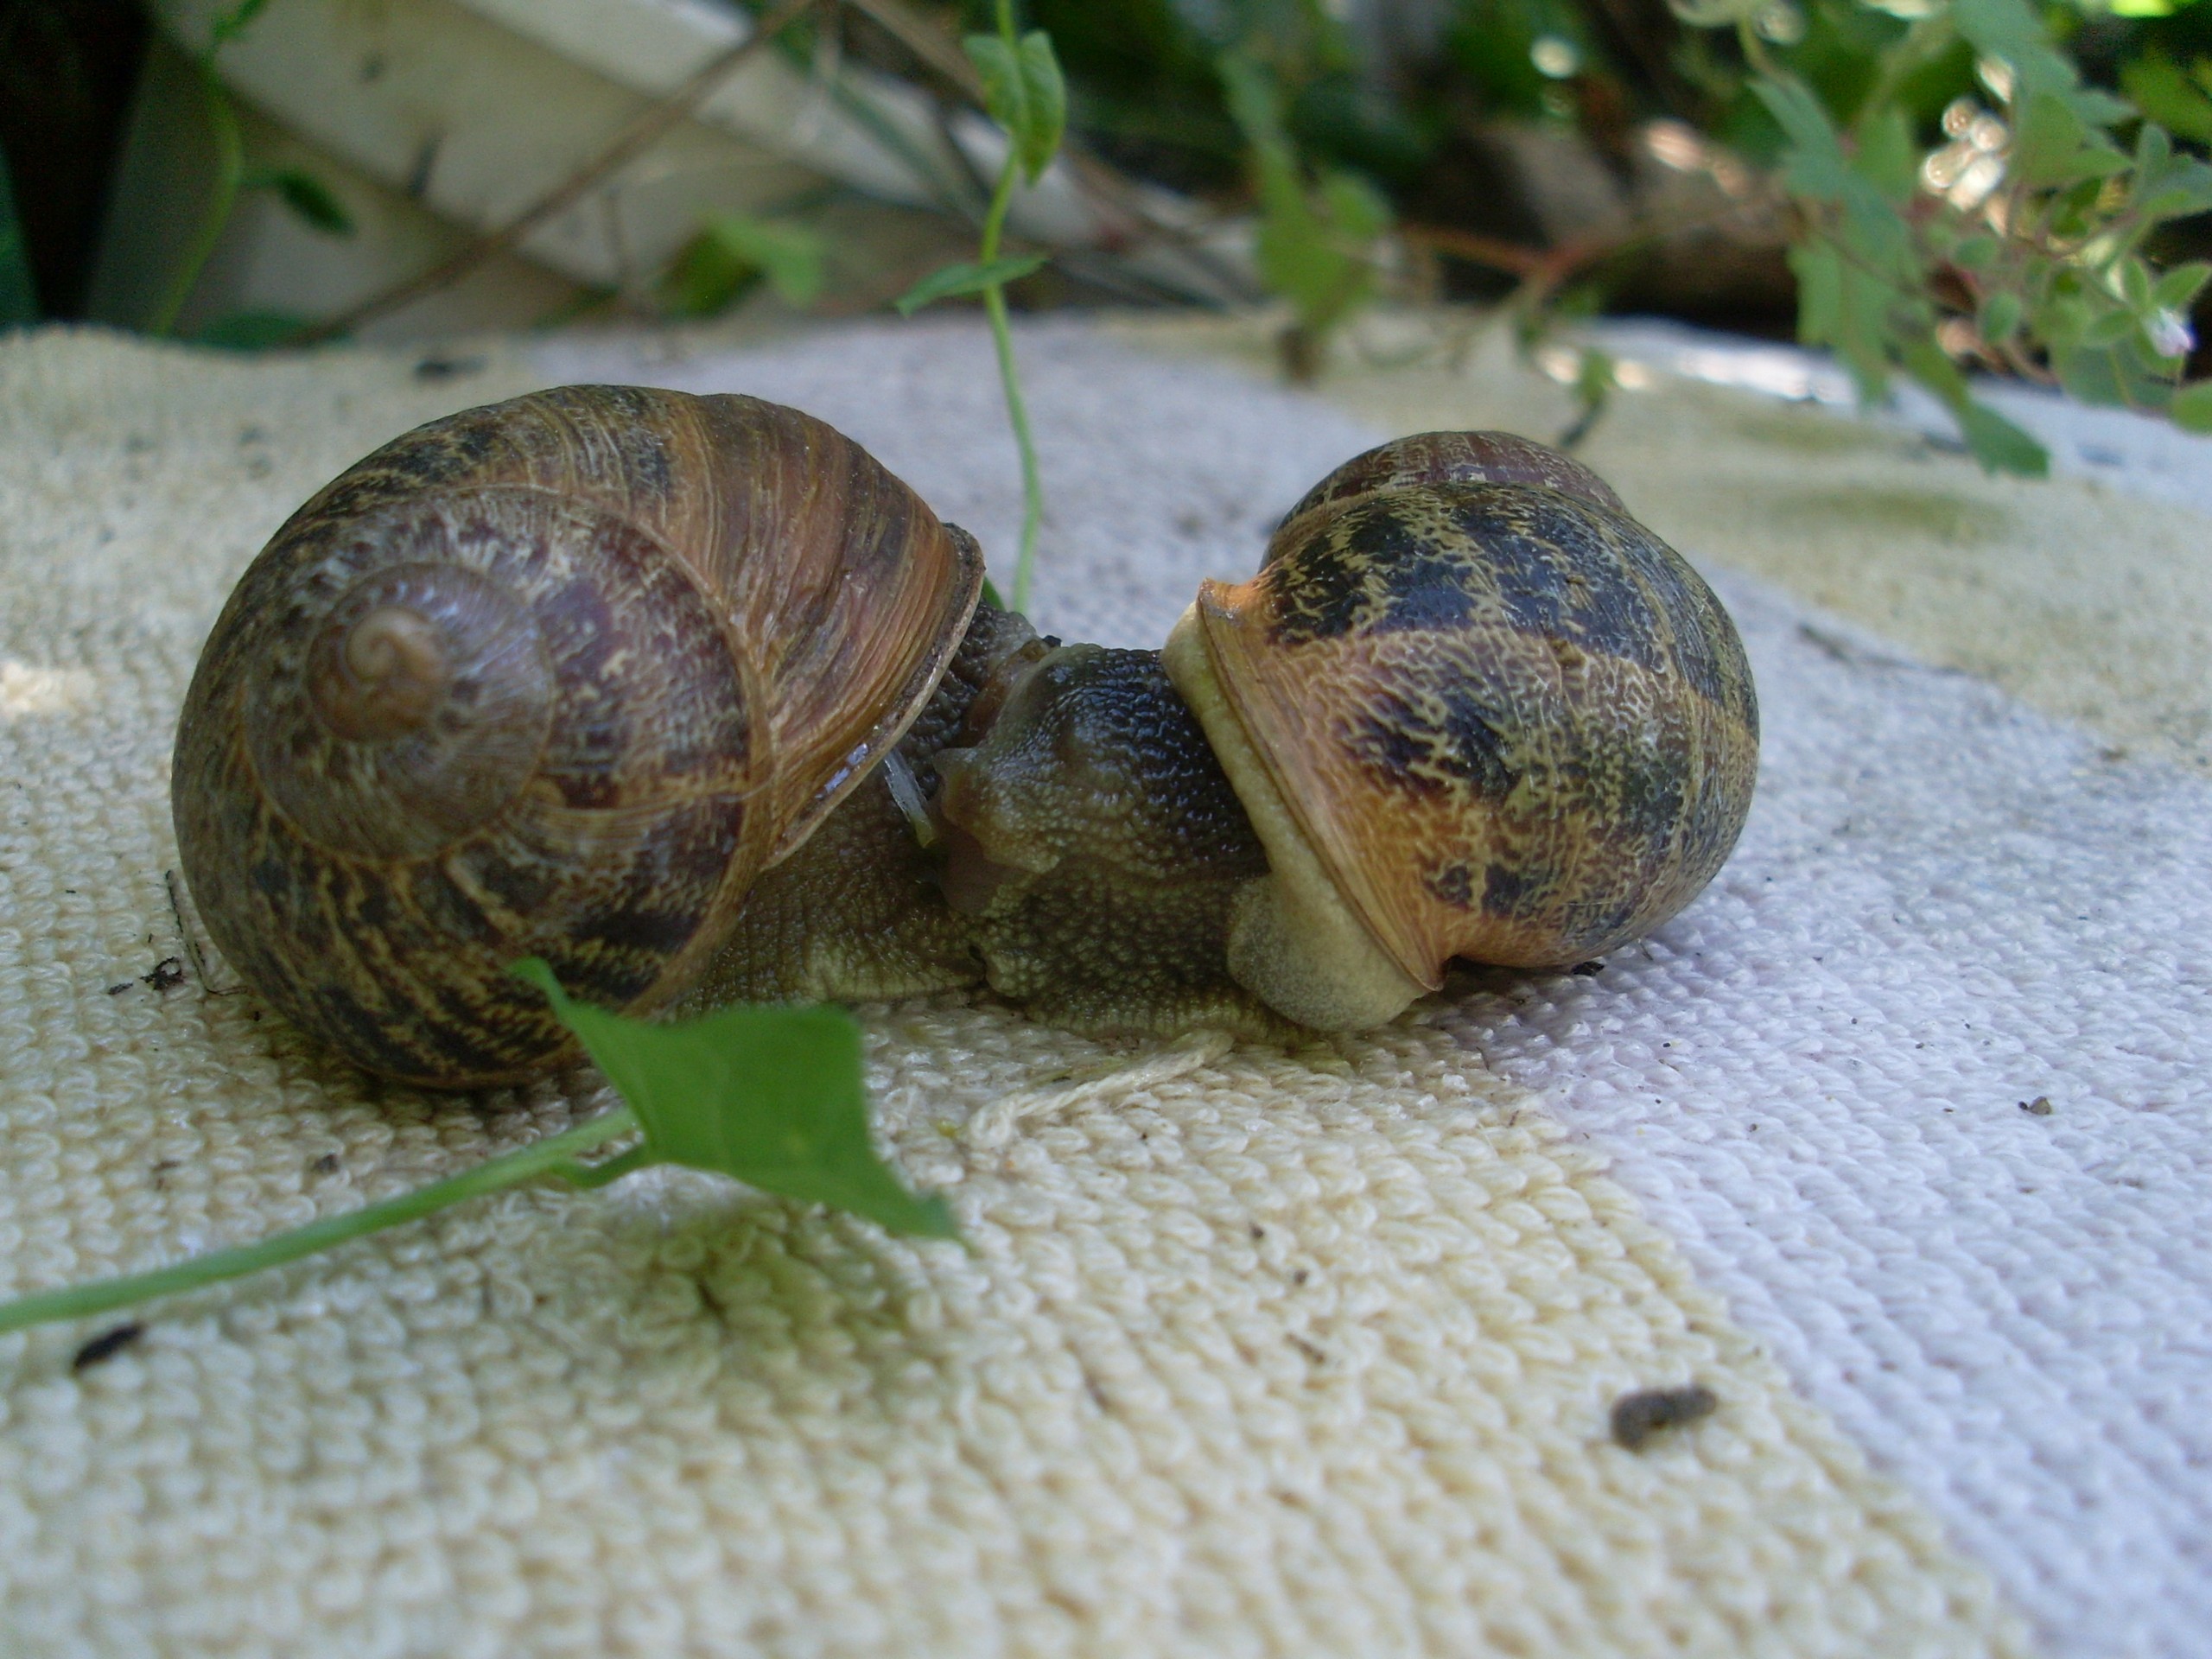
point(1932, 189)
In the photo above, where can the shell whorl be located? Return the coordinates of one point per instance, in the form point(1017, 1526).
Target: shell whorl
point(558, 677)
point(1439, 458)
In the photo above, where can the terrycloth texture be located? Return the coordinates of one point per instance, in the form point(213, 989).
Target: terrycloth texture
point(1282, 1355)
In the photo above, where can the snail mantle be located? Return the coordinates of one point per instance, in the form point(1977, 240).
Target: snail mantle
point(692, 698)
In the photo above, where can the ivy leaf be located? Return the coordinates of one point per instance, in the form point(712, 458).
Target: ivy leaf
point(308, 198)
point(953, 281)
point(772, 1096)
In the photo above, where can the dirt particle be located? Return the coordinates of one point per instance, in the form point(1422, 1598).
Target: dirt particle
point(106, 1345)
point(2039, 1107)
point(440, 367)
point(1639, 1415)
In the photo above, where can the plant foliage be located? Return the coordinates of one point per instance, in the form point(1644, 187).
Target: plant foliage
point(1026, 94)
point(772, 1096)
point(734, 254)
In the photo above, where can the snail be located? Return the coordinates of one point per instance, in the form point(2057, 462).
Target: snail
point(691, 697)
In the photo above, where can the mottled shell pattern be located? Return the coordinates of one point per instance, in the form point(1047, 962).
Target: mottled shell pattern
point(557, 676)
point(1514, 725)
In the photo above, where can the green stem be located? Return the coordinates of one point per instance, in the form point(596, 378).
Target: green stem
point(1032, 486)
point(229, 172)
point(549, 1156)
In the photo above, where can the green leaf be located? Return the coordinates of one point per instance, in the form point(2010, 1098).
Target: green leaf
point(2047, 142)
point(772, 1096)
point(1045, 98)
point(1976, 253)
point(2135, 283)
point(955, 280)
point(1925, 362)
point(233, 23)
point(1313, 248)
point(1888, 159)
point(1820, 292)
point(2088, 377)
point(1006, 90)
point(1815, 164)
point(2178, 289)
point(734, 254)
point(18, 297)
point(253, 331)
point(2168, 97)
point(2154, 154)
point(2013, 33)
point(309, 197)
point(2184, 187)
point(1999, 446)
point(2192, 407)
point(1354, 209)
point(2109, 328)
point(991, 595)
point(2001, 316)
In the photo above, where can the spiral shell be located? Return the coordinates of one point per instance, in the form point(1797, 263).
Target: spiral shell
point(1507, 723)
point(558, 677)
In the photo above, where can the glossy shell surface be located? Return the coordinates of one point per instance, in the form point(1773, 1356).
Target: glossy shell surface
point(1515, 727)
point(557, 676)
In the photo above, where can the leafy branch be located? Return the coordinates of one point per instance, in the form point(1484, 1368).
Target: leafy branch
point(1316, 245)
point(2017, 243)
point(772, 1096)
point(1023, 92)
point(301, 191)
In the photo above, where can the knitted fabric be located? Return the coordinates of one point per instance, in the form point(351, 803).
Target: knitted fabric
point(1269, 1353)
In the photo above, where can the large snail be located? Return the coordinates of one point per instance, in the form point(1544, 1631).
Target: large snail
point(692, 698)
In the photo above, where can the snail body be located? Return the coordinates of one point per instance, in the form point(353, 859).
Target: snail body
point(692, 698)
point(1470, 710)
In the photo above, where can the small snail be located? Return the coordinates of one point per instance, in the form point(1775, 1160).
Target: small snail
point(691, 697)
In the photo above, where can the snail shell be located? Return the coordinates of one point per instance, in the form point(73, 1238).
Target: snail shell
point(1474, 711)
point(558, 677)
